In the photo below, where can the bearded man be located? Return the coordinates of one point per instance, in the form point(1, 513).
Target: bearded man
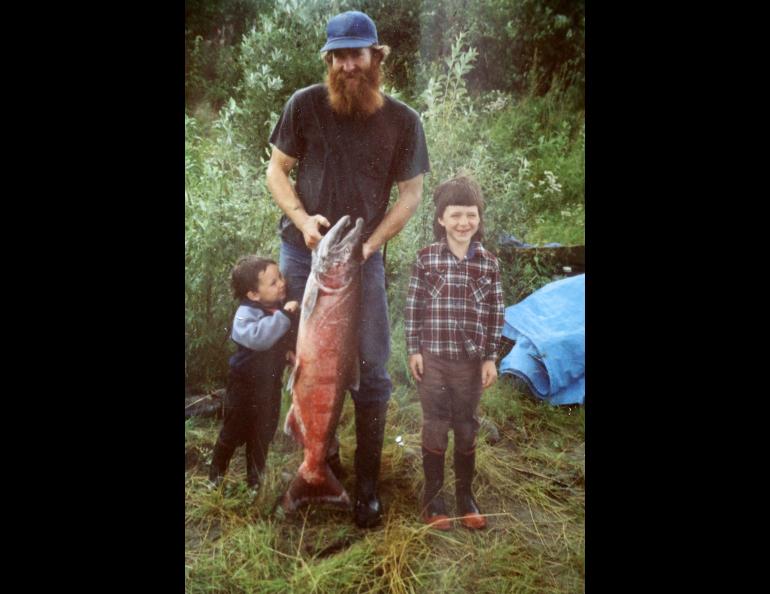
point(351, 143)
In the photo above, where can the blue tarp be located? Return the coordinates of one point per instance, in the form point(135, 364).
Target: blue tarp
point(506, 239)
point(548, 328)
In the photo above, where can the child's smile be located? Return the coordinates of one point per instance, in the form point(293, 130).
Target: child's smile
point(460, 222)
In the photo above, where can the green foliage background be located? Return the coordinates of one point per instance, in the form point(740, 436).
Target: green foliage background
point(500, 88)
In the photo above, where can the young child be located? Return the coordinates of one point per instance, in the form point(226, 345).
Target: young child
point(265, 334)
point(454, 318)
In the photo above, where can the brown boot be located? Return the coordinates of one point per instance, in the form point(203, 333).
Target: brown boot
point(435, 514)
point(433, 509)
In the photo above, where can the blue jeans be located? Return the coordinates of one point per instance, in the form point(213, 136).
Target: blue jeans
point(374, 332)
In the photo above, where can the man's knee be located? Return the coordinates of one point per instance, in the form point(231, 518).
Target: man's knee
point(372, 392)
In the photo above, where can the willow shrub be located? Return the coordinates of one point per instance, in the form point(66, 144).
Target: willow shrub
point(522, 153)
point(457, 130)
point(228, 210)
point(228, 213)
point(277, 57)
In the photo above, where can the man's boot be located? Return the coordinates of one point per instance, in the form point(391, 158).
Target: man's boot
point(433, 508)
point(467, 508)
point(333, 460)
point(370, 431)
point(219, 462)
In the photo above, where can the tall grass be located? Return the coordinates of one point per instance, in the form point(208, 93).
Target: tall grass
point(527, 152)
point(530, 485)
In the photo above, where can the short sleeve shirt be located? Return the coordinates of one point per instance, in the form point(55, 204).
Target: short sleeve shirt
point(348, 165)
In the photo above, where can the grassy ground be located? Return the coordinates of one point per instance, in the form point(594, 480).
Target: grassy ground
point(530, 483)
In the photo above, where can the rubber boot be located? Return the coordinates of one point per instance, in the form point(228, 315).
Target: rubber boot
point(467, 508)
point(219, 462)
point(433, 508)
point(370, 431)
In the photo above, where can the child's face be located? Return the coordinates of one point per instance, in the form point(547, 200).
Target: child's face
point(460, 222)
point(272, 288)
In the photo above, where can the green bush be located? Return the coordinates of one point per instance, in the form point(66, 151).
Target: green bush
point(449, 119)
point(518, 41)
point(212, 73)
point(228, 213)
point(212, 38)
point(543, 139)
point(527, 155)
point(277, 57)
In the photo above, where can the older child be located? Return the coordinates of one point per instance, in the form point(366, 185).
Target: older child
point(454, 317)
point(264, 332)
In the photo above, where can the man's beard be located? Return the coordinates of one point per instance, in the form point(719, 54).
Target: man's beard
point(355, 100)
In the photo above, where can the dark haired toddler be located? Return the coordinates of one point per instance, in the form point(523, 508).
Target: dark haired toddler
point(264, 329)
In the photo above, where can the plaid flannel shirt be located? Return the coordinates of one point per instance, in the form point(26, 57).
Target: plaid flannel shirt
point(454, 308)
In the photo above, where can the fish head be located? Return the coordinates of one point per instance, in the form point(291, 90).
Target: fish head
point(338, 255)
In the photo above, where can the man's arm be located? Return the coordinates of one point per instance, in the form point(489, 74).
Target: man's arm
point(409, 196)
point(285, 196)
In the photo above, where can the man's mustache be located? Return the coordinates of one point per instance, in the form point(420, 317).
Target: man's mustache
point(354, 92)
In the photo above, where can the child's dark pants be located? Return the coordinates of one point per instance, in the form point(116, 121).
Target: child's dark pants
point(251, 417)
point(450, 392)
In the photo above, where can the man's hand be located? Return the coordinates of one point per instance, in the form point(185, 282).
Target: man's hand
point(367, 250)
point(415, 366)
point(311, 229)
point(291, 306)
point(488, 374)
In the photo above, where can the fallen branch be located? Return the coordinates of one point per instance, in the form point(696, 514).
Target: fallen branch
point(209, 405)
point(532, 472)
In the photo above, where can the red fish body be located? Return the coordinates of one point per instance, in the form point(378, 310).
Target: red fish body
point(326, 362)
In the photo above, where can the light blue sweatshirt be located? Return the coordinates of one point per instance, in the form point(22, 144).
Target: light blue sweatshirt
point(255, 330)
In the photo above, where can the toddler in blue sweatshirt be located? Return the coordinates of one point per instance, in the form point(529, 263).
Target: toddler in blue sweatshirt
point(264, 329)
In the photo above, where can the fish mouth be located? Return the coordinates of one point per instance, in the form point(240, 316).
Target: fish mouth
point(339, 245)
point(335, 262)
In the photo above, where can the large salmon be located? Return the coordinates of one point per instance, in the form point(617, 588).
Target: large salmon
point(326, 362)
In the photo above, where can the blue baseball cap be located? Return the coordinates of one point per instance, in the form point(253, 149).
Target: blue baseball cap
point(350, 29)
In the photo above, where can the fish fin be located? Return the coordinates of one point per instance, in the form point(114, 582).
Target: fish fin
point(328, 490)
point(308, 303)
point(291, 427)
point(293, 377)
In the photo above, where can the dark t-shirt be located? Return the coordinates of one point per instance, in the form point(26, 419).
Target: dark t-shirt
point(348, 165)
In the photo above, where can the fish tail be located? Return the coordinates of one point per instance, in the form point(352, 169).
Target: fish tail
point(326, 490)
